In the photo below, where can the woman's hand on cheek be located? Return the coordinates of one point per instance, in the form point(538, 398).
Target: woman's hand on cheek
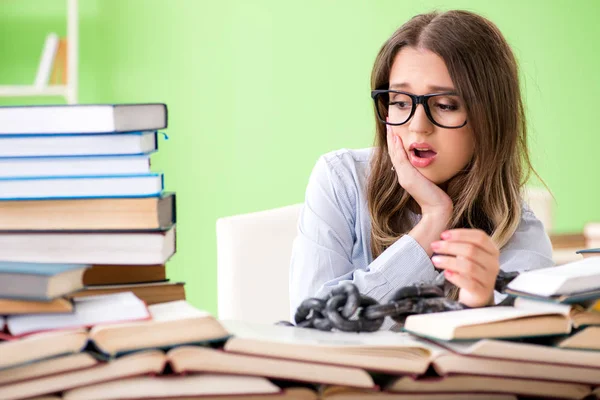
point(433, 200)
point(471, 261)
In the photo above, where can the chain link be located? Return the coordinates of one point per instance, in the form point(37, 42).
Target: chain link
point(345, 309)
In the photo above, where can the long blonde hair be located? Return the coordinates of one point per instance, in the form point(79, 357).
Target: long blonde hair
point(487, 194)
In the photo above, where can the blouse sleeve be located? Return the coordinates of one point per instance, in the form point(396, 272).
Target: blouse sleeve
point(322, 251)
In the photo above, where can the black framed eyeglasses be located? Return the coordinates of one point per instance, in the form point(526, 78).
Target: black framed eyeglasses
point(445, 110)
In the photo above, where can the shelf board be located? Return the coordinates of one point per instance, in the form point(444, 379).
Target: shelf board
point(32, 91)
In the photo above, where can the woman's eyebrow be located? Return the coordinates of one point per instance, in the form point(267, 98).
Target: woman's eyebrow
point(432, 88)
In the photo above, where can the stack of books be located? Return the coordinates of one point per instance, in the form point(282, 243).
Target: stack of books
point(543, 347)
point(81, 213)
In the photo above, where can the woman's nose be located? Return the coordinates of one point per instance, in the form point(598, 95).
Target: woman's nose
point(419, 122)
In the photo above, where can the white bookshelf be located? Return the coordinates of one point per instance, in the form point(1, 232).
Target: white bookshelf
point(68, 91)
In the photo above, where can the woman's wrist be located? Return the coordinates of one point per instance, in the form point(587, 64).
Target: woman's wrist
point(429, 229)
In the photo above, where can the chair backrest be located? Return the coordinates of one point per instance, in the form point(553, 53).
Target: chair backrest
point(253, 258)
point(541, 203)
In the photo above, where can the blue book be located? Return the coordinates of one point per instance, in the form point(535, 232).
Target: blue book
point(82, 118)
point(69, 166)
point(69, 145)
point(39, 281)
point(70, 187)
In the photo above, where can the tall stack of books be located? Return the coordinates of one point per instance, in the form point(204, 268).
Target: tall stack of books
point(79, 206)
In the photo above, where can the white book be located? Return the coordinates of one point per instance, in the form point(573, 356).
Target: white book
point(70, 166)
point(46, 60)
point(77, 145)
point(61, 187)
point(574, 277)
point(114, 248)
point(82, 118)
point(492, 322)
point(87, 312)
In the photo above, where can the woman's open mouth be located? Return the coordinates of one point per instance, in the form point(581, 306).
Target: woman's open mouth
point(421, 155)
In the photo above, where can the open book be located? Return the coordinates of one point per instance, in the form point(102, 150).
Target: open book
point(181, 387)
point(149, 362)
point(485, 384)
point(526, 319)
point(345, 393)
point(126, 377)
point(172, 324)
point(384, 351)
point(578, 277)
point(193, 359)
point(88, 312)
point(586, 339)
point(399, 353)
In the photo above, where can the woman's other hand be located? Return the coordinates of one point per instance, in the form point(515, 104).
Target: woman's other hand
point(471, 261)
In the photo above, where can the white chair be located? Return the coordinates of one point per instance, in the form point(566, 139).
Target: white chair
point(253, 259)
point(541, 203)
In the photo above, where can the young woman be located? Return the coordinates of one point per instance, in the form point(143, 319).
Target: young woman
point(441, 190)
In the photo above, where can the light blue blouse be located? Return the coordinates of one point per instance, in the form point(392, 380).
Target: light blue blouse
point(334, 238)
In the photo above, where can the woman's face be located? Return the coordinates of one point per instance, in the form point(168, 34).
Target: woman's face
point(419, 72)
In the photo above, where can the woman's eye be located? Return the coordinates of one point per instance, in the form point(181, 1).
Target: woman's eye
point(446, 107)
point(400, 104)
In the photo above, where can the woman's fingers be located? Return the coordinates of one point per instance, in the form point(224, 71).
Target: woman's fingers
point(476, 237)
point(469, 251)
point(464, 267)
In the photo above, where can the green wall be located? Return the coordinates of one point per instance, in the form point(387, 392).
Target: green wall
point(257, 90)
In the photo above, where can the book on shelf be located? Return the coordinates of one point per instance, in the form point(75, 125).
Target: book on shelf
point(61, 187)
point(140, 213)
point(89, 247)
point(149, 292)
point(99, 275)
point(568, 279)
point(49, 52)
point(194, 359)
point(82, 118)
point(74, 166)
point(87, 312)
point(67, 145)
point(36, 281)
point(58, 76)
point(55, 306)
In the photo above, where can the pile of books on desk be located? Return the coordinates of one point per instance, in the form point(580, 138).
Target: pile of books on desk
point(546, 346)
point(81, 213)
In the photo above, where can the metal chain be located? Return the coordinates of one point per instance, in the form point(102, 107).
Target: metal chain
point(345, 309)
